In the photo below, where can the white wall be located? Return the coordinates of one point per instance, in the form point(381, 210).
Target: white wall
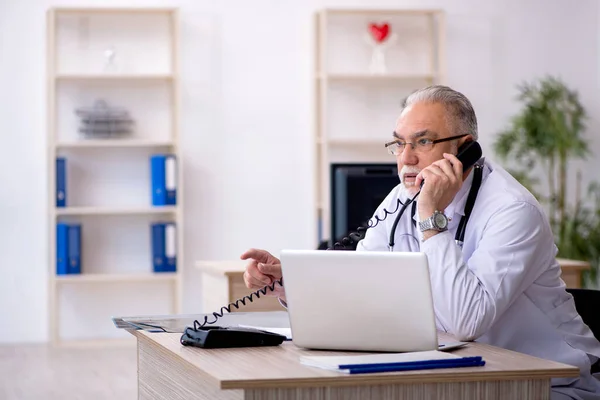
point(247, 119)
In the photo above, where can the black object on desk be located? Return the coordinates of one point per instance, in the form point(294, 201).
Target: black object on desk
point(216, 337)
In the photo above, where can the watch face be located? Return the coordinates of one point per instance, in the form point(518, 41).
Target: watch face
point(440, 221)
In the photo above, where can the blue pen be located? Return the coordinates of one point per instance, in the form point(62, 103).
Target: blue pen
point(413, 367)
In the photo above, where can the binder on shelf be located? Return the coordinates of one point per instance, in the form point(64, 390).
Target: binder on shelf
point(170, 247)
point(74, 249)
point(61, 182)
point(164, 247)
point(62, 249)
point(163, 172)
point(68, 249)
point(158, 246)
point(171, 179)
point(389, 362)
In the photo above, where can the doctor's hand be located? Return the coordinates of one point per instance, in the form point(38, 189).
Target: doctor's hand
point(263, 270)
point(443, 179)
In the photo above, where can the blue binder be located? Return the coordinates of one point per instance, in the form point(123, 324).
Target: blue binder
point(171, 179)
point(61, 182)
point(158, 247)
point(157, 177)
point(170, 247)
point(163, 172)
point(74, 250)
point(62, 249)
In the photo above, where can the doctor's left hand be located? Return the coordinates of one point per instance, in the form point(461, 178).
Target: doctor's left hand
point(443, 179)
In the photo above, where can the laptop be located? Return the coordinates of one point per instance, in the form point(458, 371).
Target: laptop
point(359, 301)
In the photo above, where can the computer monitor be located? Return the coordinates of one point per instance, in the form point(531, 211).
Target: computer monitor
point(357, 189)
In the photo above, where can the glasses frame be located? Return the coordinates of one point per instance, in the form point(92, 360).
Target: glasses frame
point(388, 144)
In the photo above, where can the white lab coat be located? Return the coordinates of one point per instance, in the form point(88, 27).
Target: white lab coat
point(503, 287)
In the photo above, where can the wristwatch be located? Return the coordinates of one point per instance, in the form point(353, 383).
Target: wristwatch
point(438, 221)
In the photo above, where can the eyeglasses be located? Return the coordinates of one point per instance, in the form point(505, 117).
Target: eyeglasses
point(422, 145)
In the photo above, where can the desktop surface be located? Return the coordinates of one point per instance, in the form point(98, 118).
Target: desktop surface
point(278, 367)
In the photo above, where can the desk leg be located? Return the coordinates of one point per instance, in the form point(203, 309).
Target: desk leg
point(161, 375)
point(501, 390)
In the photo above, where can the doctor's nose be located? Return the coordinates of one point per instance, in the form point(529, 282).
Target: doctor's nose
point(408, 156)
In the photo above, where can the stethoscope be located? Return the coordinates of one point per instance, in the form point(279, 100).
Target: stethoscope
point(460, 232)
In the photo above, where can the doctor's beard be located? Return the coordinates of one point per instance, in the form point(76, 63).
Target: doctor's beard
point(408, 189)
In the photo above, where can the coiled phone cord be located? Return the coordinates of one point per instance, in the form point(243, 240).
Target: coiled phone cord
point(343, 244)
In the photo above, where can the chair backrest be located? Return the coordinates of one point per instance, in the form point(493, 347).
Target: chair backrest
point(587, 302)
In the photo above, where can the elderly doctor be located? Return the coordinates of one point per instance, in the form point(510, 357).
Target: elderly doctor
point(492, 261)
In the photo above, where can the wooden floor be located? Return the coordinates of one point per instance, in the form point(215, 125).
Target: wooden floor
point(43, 372)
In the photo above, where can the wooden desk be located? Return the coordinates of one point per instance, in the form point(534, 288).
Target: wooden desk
point(168, 370)
point(223, 283)
point(571, 271)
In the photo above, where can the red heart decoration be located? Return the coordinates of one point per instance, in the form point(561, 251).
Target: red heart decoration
point(379, 32)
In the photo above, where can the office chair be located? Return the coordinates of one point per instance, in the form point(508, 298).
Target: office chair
point(587, 303)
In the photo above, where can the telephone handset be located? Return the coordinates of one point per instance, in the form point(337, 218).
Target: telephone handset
point(468, 154)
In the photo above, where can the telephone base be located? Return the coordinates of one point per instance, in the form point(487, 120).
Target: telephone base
point(217, 337)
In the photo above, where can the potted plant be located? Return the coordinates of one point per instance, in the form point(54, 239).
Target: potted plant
point(548, 133)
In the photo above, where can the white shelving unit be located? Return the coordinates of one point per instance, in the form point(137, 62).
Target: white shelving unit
point(356, 109)
point(108, 180)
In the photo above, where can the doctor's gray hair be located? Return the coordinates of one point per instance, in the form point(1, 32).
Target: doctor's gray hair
point(457, 105)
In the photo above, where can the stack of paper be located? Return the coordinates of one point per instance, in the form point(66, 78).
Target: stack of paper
point(391, 362)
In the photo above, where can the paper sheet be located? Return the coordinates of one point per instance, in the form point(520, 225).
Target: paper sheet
point(333, 362)
point(287, 332)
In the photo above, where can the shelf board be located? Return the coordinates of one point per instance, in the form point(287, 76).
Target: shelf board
point(383, 11)
point(113, 77)
point(375, 78)
point(114, 143)
point(113, 10)
point(103, 278)
point(61, 211)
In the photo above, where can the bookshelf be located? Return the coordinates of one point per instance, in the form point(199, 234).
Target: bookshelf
point(356, 106)
point(127, 57)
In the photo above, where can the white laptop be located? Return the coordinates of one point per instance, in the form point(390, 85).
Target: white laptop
point(363, 301)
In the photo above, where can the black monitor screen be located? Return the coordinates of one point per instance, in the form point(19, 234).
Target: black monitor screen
point(356, 192)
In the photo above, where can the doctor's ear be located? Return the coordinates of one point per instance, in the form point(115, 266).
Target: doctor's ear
point(463, 142)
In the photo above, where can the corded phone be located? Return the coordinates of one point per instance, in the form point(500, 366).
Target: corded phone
point(200, 335)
